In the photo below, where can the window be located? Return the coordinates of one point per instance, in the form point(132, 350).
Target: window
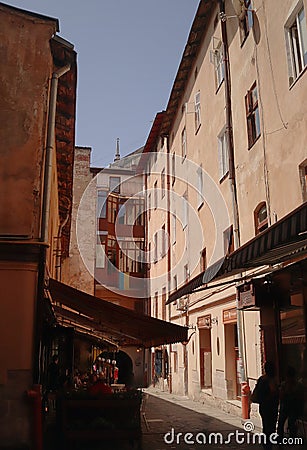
point(130, 260)
point(246, 23)
point(148, 259)
point(155, 247)
point(203, 260)
point(112, 208)
point(252, 115)
point(218, 61)
point(155, 309)
point(228, 241)
point(164, 303)
point(173, 168)
point(174, 227)
point(163, 246)
point(261, 218)
point(186, 273)
point(175, 284)
point(112, 254)
point(155, 194)
point(149, 206)
point(130, 212)
point(223, 154)
point(183, 143)
point(100, 251)
point(197, 111)
point(175, 362)
point(163, 183)
point(114, 184)
point(200, 186)
point(296, 32)
point(102, 204)
point(303, 178)
point(185, 210)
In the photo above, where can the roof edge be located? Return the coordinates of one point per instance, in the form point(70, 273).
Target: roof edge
point(32, 14)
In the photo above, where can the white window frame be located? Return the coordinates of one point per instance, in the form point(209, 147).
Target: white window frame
point(200, 186)
point(223, 155)
point(218, 60)
point(185, 210)
point(155, 194)
point(163, 242)
point(174, 227)
point(155, 247)
point(100, 256)
point(296, 42)
point(186, 272)
point(149, 206)
point(175, 283)
point(173, 167)
point(184, 143)
point(163, 182)
point(197, 111)
point(102, 198)
point(114, 184)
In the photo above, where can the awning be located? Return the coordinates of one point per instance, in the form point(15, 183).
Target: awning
point(109, 321)
point(281, 242)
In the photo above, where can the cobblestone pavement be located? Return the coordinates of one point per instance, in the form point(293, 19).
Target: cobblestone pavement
point(166, 416)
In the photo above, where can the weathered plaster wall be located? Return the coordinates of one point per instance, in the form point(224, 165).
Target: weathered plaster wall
point(26, 64)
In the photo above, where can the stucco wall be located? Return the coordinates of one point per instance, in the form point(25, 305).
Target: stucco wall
point(18, 284)
point(26, 64)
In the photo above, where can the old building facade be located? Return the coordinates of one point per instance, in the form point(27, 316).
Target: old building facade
point(227, 174)
point(38, 92)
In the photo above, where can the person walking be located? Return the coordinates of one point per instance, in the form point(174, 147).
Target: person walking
point(266, 394)
point(291, 404)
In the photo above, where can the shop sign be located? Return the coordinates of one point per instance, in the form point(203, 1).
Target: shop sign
point(247, 296)
point(230, 315)
point(204, 321)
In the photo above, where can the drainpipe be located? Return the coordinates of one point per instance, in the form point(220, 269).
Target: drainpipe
point(49, 150)
point(58, 264)
point(169, 254)
point(235, 210)
point(35, 393)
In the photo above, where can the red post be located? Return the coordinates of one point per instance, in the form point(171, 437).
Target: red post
point(245, 399)
point(36, 396)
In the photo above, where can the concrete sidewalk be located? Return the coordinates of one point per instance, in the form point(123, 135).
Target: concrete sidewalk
point(204, 408)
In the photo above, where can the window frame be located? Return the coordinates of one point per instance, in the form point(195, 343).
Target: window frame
point(252, 115)
point(184, 143)
point(163, 182)
point(197, 109)
point(263, 224)
point(101, 210)
point(219, 66)
point(116, 188)
point(296, 43)
point(246, 23)
point(200, 187)
point(223, 155)
point(173, 168)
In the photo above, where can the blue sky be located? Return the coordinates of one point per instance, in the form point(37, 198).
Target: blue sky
point(128, 55)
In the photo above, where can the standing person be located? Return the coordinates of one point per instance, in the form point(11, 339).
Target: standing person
point(291, 403)
point(54, 374)
point(267, 395)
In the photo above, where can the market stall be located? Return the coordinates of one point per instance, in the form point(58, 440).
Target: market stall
point(112, 417)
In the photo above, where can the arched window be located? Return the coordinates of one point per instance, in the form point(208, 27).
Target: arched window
point(261, 218)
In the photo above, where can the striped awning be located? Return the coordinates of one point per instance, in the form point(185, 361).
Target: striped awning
point(283, 241)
